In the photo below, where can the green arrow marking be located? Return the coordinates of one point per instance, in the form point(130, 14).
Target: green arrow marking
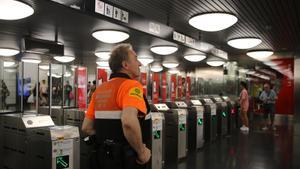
point(224, 114)
point(60, 160)
point(200, 121)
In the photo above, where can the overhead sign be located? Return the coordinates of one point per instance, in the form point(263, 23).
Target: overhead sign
point(220, 53)
point(183, 39)
point(111, 11)
point(154, 28)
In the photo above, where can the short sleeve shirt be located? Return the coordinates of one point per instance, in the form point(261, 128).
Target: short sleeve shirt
point(125, 93)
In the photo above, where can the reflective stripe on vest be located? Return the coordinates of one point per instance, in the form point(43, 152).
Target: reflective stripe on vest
point(108, 114)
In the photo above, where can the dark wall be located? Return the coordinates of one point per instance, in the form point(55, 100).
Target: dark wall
point(296, 141)
point(297, 89)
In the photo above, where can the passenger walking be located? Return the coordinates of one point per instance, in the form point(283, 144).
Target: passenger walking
point(4, 93)
point(68, 93)
point(268, 97)
point(116, 115)
point(244, 104)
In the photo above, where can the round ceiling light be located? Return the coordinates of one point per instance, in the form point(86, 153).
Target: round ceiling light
point(164, 49)
point(8, 63)
point(156, 68)
point(244, 43)
point(64, 59)
point(215, 61)
point(105, 55)
point(44, 67)
point(8, 52)
point(145, 60)
point(260, 55)
point(31, 60)
point(14, 10)
point(195, 57)
point(110, 36)
point(103, 64)
point(173, 71)
point(170, 64)
point(212, 22)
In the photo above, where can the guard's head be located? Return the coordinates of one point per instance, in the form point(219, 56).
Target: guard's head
point(124, 59)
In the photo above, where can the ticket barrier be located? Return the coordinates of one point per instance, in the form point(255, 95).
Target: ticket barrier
point(57, 113)
point(32, 141)
point(196, 125)
point(222, 115)
point(157, 138)
point(210, 119)
point(75, 117)
point(232, 114)
point(175, 133)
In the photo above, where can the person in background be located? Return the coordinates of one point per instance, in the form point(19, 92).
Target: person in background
point(92, 89)
point(43, 92)
point(68, 93)
point(244, 105)
point(4, 93)
point(121, 105)
point(88, 87)
point(268, 97)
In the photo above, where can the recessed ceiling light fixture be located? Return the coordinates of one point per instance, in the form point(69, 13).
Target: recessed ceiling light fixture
point(103, 64)
point(14, 10)
point(170, 64)
point(64, 59)
point(110, 36)
point(244, 43)
point(31, 60)
point(215, 61)
point(8, 63)
point(8, 51)
point(173, 71)
point(164, 49)
point(105, 55)
point(156, 67)
point(260, 55)
point(145, 60)
point(195, 57)
point(212, 22)
point(44, 67)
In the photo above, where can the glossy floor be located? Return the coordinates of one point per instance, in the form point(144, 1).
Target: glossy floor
point(256, 150)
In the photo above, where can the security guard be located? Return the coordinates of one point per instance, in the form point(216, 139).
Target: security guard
point(116, 115)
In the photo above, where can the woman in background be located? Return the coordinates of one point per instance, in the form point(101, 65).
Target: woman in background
point(244, 104)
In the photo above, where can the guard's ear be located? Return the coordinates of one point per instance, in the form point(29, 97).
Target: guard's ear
point(124, 64)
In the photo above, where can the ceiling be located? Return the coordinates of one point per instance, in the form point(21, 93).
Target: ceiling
point(276, 22)
point(278, 26)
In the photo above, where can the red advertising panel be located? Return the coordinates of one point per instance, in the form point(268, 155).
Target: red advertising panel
point(179, 88)
point(164, 87)
point(285, 87)
point(188, 89)
point(144, 82)
point(173, 87)
point(102, 76)
point(82, 87)
point(155, 87)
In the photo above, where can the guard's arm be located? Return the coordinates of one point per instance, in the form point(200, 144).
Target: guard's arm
point(88, 126)
point(132, 129)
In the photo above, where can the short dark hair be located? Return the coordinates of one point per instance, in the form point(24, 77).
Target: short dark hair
point(244, 84)
point(117, 56)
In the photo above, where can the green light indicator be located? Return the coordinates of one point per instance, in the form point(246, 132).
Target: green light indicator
point(182, 127)
point(200, 121)
point(156, 134)
point(62, 162)
point(224, 114)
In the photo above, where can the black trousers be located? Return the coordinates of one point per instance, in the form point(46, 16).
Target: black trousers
point(115, 156)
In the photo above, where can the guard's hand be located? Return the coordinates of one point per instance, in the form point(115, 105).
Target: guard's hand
point(144, 157)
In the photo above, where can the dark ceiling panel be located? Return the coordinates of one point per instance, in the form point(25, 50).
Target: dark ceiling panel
point(275, 21)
